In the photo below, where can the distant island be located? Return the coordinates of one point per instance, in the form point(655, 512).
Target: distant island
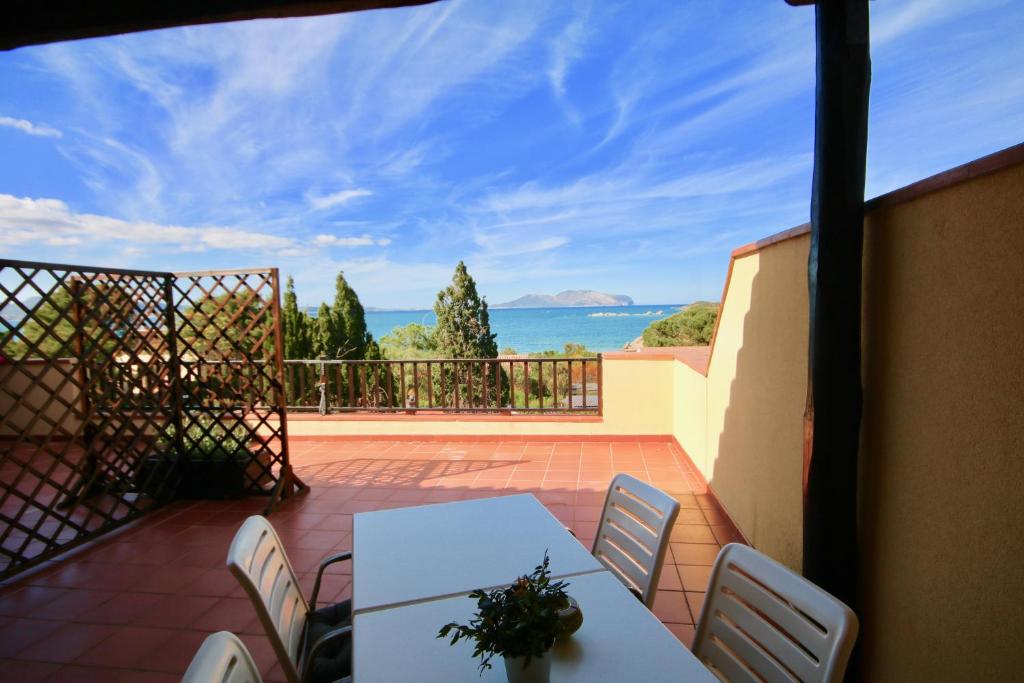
point(571, 297)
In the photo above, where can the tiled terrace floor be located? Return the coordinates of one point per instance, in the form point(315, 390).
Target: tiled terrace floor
point(136, 605)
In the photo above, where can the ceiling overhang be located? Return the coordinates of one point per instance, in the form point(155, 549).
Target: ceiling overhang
point(33, 22)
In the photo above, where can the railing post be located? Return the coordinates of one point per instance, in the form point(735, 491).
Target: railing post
point(323, 385)
point(600, 384)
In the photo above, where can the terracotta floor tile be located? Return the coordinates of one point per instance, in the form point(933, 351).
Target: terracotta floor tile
point(684, 632)
point(692, 533)
point(67, 643)
point(122, 608)
point(175, 654)
point(24, 601)
point(694, 577)
point(19, 634)
point(668, 580)
point(26, 672)
point(696, 602)
point(175, 611)
point(168, 569)
point(695, 553)
point(671, 607)
point(126, 648)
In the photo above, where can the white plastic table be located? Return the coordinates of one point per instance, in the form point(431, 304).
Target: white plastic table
point(620, 640)
point(406, 555)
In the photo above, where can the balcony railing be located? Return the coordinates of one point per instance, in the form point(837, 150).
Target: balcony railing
point(520, 385)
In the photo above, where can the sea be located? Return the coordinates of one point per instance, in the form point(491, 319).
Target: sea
point(531, 330)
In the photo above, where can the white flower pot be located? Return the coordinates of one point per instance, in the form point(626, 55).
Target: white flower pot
point(537, 671)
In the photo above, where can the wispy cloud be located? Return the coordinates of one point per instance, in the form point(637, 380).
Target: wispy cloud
point(30, 128)
point(360, 241)
point(564, 144)
point(329, 201)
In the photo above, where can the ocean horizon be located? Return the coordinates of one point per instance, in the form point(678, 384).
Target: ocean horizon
point(531, 330)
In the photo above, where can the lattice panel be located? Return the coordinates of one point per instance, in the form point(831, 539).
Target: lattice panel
point(228, 335)
point(86, 401)
point(118, 388)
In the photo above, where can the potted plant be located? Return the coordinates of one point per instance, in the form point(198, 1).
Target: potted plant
point(217, 460)
point(520, 623)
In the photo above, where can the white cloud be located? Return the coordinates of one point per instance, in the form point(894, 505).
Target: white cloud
point(329, 201)
point(30, 128)
point(50, 221)
point(566, 49)
point(360, 241)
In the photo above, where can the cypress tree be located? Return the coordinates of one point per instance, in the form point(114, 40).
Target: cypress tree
point(298, 338)
point(350, 318)
point(326, 340)
point(463, 324)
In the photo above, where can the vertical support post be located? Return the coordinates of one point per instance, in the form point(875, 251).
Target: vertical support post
point(174, 367)
point(600, 384)
point(288, 483)
point(833, 412)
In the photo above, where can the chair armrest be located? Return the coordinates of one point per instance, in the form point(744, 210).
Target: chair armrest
point(327, 561)
point(321, 641)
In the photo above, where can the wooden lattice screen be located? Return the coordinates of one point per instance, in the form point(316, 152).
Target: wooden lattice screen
point(121, 390)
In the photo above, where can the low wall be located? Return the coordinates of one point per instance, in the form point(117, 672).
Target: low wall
point(31, 403)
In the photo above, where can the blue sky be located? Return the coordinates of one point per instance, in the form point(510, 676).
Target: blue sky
point(625, 147)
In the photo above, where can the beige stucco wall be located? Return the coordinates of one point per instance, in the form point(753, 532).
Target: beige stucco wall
point(756, 387)
point(637, 396)
point(689, 421)
point(943, 445)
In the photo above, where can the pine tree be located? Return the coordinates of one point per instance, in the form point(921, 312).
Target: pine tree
point(463, 324)
point(298, 338)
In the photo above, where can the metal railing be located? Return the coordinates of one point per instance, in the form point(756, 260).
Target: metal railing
point(483, 385)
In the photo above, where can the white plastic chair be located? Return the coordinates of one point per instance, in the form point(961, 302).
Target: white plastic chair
point(222, 658)
point(633, 534)
point(763, 622)
point(298, 632)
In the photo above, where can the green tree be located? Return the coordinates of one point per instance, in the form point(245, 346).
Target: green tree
point(350, 318)
point(692, 326)
point(326, 338)
point(463, 324)
point(228, 326)
point(464, 331)
point(298, 332)
point(409, 342)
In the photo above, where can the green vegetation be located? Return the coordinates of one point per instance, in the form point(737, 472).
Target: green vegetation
point(108, 317)
point(337, 332)
point(463, 324)
point(298, 327)
point(413, 341)
point(692, 326)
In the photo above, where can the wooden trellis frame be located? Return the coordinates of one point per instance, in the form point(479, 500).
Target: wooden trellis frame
point(106, 399)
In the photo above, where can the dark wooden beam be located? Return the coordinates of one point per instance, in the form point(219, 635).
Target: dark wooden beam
point(31, 22)
point(833, 414)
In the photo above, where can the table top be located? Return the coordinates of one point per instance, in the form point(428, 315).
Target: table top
point(418, 553)
point(620, 640)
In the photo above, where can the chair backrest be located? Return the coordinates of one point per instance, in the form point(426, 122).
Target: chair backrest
point(763, 622)
point(633, 534)
point(258, 561)
point(222, 658)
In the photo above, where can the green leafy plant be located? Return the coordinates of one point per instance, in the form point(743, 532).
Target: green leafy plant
point(518, 621)
point(207, 439)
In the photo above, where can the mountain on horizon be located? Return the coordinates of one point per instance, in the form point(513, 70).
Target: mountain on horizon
point(568, 298)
